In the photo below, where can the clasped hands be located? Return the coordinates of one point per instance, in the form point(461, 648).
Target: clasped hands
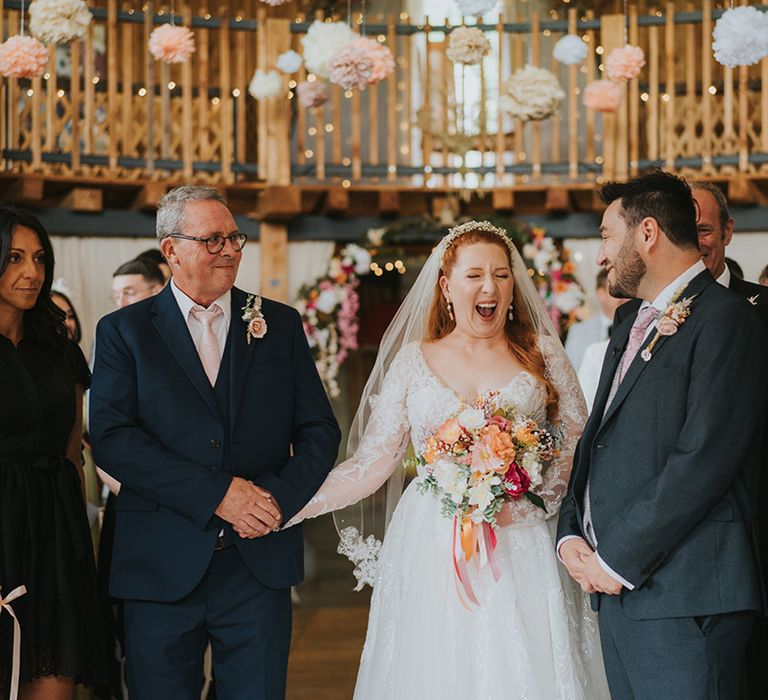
point(250, 509)
point(584, 568)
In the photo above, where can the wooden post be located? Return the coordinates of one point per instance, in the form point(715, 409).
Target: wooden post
point(187, 143)
point(393, 125)
point(273, 242)
point(112, 82)
point(669, 87)
point(706, 82)
point(74, 97)
point(573, 105)
point(614, 138)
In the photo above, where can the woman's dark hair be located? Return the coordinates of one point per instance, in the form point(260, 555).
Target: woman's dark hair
point(44, 321)
point(78, 328)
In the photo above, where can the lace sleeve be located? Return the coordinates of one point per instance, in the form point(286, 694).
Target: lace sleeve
point(572, 415)
point(380, 452)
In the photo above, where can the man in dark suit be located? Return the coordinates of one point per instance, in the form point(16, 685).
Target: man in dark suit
point(658, 522)
point(218, 431)
point(715, 228)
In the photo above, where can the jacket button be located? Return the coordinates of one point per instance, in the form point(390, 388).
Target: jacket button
point(215, 444)
point(599, 446)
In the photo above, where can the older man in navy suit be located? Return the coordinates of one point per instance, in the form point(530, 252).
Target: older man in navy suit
point(219, 430)
point(659, 522)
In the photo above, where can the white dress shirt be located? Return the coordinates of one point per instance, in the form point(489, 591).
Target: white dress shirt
point(220, 323)
point(660, 302)
point(725, 278)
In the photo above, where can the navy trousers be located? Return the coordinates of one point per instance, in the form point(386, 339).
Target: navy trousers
point(248, 625)
point(683, 658)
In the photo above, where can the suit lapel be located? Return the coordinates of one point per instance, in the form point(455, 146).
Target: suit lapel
point(613, 356)
point(172, 328)
point(243, 352)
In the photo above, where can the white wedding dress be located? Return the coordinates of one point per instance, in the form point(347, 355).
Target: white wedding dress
point(533, 636)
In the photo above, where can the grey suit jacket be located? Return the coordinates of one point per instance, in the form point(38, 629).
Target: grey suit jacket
point(674, 460)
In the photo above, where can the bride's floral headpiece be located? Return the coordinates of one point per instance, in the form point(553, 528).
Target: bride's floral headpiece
point(468, 227)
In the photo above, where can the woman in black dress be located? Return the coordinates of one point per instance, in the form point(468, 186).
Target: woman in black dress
point(45, 542)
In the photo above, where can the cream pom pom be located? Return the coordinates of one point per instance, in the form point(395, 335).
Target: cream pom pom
point(322, 40)
point(603, 95)
point(624, 63)
point(265, 84)
point(59, 21)
point(289, 62)
point(531, 94)
point(275, 3)
point(312, 94)
point(22, 57)
point(570, 50)
point(740, 37)
point(467, 45)
point(475, 7)
point(172, 44)
point(351, 67)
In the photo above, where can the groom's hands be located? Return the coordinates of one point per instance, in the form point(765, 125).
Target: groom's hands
point(250, 509)
point(584, 567)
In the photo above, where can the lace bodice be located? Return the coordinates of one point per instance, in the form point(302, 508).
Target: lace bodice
point(414, 401)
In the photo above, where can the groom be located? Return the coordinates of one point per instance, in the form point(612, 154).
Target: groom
point(659, 521)
point(218, 432)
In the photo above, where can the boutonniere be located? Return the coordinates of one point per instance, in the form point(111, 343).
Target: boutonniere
point(673, 317)
point(753, 300)
point(257, 326)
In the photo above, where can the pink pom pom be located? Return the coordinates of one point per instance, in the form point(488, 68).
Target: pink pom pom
point(351, 67)
point(314, 94)
point(383, 60)
point(603, 95)
point(22, 57)
point(625, 63)
point(172, 44)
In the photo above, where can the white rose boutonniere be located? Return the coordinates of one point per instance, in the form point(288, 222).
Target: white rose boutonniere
point(257, 326)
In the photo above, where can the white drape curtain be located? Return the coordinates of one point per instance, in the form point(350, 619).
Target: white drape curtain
point(85, 266)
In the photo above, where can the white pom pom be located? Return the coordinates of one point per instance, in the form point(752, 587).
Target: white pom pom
point(289, 62)
point(265, 84)
point(322, 40)
point(570, 50)
point(740, 37)
point(475, 7)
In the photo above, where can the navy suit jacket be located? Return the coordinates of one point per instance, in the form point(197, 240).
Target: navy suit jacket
point(673, 463)
point(156, 428)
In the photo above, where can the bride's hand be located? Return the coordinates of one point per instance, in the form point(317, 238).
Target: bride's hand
point(504, 516)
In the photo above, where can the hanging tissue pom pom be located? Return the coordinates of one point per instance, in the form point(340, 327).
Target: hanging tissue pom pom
point(741, 37)
point(570, 50)
point(171, 44)
point(383, 61)
point(265, 84)
point(59, 21)
point(322, 40)
point(624, 63)
point(603, 95)
point(22, 57)
point(289, 62)
point(275, 3)
point(475, 7)
point(531, 94)
point(351, 67)
point(467, 45)
point(314, 94)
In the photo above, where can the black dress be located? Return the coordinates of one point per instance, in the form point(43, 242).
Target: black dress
point(45, 541)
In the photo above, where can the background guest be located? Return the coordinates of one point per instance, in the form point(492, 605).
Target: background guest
point(155, 255)
point(734, 268)
point(71, 319)
point(136, 280)
point(764, 277)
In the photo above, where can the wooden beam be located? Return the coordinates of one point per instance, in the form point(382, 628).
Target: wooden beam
point(557, 201)
point(273, 239)
point(84, 199)
point(744, 192)
point(337, 201)
point(389, 202)
point(503, 200)
point(28, 188)
point(149, 196)
point(279, 203)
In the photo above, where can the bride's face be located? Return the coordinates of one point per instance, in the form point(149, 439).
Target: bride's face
point(480, 287)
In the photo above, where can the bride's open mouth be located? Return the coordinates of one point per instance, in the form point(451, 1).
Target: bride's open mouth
point(486, 309)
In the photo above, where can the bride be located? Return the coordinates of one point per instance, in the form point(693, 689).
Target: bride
point(471, 328)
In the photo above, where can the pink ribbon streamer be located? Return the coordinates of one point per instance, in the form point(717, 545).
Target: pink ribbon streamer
point(5, 604)
point(460, 568)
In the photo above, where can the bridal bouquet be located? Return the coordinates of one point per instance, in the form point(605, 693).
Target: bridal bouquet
point(474, 462)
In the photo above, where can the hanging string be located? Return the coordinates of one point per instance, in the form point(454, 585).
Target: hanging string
point(626, 22)
point(349, 13)
point(362, 17)
point(22, 17)
point(173, 13)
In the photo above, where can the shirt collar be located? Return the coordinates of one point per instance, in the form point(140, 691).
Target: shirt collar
point(725, 278)
point(224, 302)
point(662, 300)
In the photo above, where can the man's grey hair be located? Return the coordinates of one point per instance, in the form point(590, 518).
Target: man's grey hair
point(722, 203)
point(170, 208)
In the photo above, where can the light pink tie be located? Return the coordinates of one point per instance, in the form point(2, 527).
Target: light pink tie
point(208, 348)
point(645, 317)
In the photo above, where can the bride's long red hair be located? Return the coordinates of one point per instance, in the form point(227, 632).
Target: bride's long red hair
point(521, 337)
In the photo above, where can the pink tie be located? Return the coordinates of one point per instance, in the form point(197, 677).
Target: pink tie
point(645, 317)
point(208, 348)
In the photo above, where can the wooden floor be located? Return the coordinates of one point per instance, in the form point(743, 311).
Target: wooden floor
point(329, 621)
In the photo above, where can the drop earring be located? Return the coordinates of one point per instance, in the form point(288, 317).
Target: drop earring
point(511, 313)
point(449, 306)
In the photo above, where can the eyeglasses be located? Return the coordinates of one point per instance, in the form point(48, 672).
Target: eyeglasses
point(215, 243)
